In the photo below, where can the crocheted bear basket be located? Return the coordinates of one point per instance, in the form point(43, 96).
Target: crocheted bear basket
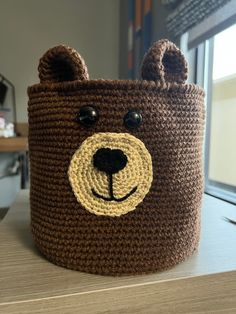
point(116, 165)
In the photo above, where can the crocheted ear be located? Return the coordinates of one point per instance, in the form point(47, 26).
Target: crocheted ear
point(164, 62)
point(60, 64)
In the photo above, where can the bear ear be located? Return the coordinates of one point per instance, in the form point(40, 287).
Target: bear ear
point(164, 62)
point(60, 64)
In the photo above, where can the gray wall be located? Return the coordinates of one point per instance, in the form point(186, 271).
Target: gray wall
point(123, 48)
point(29, 27)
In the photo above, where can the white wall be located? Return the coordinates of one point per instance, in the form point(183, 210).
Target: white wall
point(29, 27)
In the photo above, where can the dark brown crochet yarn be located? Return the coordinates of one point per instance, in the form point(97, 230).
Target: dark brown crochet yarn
point(143, 214)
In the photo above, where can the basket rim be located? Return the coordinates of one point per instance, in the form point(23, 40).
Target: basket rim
point(108, 84)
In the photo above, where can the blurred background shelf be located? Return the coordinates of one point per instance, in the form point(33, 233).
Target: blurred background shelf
point(13, 165)
point(13, 144)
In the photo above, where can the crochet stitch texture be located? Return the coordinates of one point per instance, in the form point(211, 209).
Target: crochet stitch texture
point(140, 215)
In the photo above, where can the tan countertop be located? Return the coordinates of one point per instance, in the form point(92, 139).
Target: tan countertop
point(205, 283)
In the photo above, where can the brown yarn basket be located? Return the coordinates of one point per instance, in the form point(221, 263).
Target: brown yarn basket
point(113, 231)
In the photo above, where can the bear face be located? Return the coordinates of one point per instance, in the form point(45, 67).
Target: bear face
point(111, 173)
point(116, 166)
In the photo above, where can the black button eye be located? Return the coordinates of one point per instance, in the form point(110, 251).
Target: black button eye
point(132, 119)
point(87, 115)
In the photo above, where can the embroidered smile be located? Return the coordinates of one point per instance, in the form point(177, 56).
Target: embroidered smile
point(111, 161)
point(112, 197)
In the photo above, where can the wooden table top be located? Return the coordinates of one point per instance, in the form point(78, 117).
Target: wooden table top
point(205, 283)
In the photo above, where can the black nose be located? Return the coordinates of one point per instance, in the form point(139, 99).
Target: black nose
point(109, 160)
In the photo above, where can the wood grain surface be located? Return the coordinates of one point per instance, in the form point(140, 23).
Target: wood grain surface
point(205, 283)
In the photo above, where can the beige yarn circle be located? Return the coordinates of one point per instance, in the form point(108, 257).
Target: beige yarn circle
point(84, 177)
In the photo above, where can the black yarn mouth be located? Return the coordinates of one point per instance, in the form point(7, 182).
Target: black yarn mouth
point(112, 197)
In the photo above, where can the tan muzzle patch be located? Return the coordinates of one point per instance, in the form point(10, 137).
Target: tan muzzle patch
point(103, 190)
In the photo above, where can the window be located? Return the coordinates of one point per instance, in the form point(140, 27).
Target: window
point(219, 80)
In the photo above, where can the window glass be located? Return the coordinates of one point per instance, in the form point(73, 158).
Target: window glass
point(222, 159)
